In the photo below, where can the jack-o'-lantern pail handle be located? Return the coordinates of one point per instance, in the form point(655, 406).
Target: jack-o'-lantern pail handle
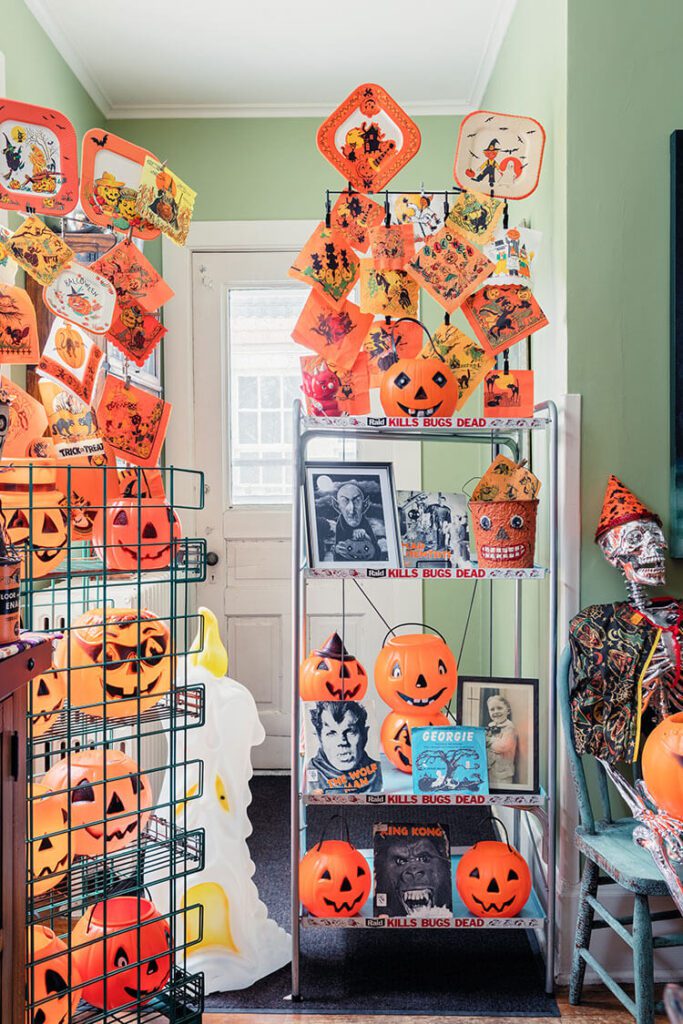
point(344, 828)
point(414, 320)
point(490, 819)
point(424, 625)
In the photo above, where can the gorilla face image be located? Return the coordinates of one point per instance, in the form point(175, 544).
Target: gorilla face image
point(417, 877)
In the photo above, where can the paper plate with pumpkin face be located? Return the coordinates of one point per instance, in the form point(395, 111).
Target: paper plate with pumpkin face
point(83, 297)
point(129, 668)
point(416, 674)
point(331, 673)
point(132, 934)
point(102, 816)
point(48, 856)
point(111, 168)
point(38, 159)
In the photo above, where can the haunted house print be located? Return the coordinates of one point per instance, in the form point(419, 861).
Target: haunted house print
point(328, 264)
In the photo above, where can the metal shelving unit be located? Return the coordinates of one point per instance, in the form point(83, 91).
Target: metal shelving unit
point(539, 913)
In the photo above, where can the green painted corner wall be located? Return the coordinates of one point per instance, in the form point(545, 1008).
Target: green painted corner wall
point(626, 97)
point(36, 73)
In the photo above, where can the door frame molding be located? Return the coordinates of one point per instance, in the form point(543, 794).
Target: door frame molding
point(178, 368)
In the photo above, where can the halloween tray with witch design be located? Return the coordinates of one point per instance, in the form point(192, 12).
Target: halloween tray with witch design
point(532, 916)
point(38, 159)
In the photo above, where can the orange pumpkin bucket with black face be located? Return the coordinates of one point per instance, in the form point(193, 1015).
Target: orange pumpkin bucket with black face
point(396, 739)
point(331, 673)
point(504, 533)
point(334, 879)
point(52, 979)
point(419, 388)
point(416, 674)
point(493, 880)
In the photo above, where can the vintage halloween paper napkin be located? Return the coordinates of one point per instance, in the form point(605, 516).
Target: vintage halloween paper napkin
point(353, 215)
point(135, 332)
point(450, 267)
point(386, 343)
point(465, 358)
point(71, 358)
point(387, 292)
point(392, 246)
point(165, 200)
point(505, 480)
point(133, 421)
point(133, 276)
point(336, 333)
point(27, 420)
point(475, 216)
point(502, 315)
point(18, 328)
point(328, 264)
point(38, 250)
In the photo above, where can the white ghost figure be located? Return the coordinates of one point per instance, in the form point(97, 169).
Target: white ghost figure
point(240, 943)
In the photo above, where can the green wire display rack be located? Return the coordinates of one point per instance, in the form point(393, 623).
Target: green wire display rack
point(107, 934)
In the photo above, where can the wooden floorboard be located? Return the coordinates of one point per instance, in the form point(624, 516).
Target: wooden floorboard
point(598, 1007)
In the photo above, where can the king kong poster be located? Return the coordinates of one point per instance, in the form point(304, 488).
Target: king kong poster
point(412, 870)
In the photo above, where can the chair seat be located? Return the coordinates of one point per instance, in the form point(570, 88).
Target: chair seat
point(612, 848)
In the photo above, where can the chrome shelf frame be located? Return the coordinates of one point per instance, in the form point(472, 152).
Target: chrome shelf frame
point(507, 434)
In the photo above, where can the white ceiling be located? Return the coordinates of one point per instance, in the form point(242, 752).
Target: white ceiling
point(259, 58)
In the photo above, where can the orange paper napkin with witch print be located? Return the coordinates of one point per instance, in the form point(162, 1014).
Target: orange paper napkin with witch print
point(387, 292)
point(386, 343)
point(334, 333)
point(353, 215)
point(18, 328)
point(133, 422)
point(328, 264)
point(503, 314)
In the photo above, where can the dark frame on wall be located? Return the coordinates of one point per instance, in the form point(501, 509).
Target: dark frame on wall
point(676, 357)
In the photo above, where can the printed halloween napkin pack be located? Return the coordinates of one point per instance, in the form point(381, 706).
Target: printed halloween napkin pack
point(376, 250)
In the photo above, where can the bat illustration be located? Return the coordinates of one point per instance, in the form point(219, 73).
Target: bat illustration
point(100, 142)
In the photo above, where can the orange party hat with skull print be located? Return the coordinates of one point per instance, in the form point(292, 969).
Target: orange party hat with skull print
point(621, 506)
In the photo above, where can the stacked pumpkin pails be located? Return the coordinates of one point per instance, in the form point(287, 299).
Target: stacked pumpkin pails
point(84, 509)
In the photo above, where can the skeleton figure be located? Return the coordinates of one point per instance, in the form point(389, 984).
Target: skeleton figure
point(637, 548)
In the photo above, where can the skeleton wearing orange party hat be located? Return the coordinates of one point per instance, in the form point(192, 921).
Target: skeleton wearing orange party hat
point(626, 656)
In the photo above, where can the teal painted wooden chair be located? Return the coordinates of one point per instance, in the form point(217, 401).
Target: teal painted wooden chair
point(610, 855)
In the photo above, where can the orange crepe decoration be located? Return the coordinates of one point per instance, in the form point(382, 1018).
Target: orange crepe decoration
point(353, 215)
point(334, 333)
point(332, 391)
point(386, 343)
point(621, 506)
point(328, 264)
point(18, 328)
point(133, 421)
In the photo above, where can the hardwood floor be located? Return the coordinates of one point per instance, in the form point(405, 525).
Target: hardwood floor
point(598, 1007)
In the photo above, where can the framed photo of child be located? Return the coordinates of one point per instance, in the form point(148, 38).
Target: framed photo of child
point(507, 709)
point(351, 516)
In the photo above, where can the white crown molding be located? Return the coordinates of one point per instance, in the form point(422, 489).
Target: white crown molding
point(41, 11)
point(490, 55)
point(240, 110)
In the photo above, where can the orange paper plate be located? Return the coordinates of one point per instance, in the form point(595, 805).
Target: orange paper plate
point(368, 138)
point(38, 159)
point(111, 168)
point(500, 154)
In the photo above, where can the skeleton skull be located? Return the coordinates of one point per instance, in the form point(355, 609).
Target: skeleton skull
point(637, 548)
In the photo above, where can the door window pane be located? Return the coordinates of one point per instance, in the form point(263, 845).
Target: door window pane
point(265, 378)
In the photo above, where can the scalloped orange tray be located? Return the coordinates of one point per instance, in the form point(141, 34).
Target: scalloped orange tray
point(38, 159)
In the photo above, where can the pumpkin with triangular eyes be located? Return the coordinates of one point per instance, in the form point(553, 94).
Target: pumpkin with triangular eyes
point(127, 940)
point(334, 879)
point(493, 880)
point(418, 388)
point(416, 674)
point(33, 513)
point(52, 982)
point(124, 669)
point(108, 796)
point(49, 851)
point(331, 673)
point(137, 532)
point(396, 739)
point(48, 693)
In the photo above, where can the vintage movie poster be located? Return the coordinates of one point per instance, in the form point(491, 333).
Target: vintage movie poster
point(412, 870)
point(434, 530)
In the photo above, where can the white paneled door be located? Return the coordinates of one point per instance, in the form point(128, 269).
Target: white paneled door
point(246, 375)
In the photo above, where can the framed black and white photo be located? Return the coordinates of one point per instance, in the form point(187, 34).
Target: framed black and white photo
point(508, 710)
point(351, 516)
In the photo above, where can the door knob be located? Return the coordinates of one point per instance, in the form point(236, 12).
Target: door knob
point(212, 558)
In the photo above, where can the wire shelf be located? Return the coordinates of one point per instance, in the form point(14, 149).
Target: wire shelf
point(164, 853)
point(182, 1002)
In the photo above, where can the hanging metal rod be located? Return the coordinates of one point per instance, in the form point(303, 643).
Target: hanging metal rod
point(397, 192)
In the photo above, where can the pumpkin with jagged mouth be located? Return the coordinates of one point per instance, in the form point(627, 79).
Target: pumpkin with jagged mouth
point(493, 879)
point(48, 855)
point(43, 527)
point(48, 693)
point(137, 532)
point(108, 798)
point(120, 662)
point(53, 984)
point(396, 739)
point(334, 879)
point(416, 674)
point(331, 673)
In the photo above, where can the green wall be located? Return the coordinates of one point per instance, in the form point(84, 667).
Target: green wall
point(626, 97)
point(36, 73)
